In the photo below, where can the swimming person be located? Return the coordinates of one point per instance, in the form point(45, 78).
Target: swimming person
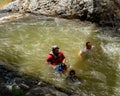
point(72, 78)
point(89, 47)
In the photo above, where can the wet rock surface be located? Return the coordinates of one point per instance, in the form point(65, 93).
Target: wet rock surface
point(14, 84)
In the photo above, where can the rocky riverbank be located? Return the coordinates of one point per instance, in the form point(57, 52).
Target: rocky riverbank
point(12, 83)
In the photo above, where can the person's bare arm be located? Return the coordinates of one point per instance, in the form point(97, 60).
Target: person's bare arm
point(80, 54)
point(52, 65)
point(64, 61)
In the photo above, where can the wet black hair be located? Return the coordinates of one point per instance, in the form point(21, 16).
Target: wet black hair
point(72, 71)
point(87, 43)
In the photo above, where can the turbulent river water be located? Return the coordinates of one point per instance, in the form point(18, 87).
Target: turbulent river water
point(26, 43)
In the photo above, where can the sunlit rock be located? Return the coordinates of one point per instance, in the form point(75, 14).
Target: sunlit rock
point(104, 12)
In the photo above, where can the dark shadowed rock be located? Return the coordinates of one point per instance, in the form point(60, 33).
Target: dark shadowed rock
point(14, 84)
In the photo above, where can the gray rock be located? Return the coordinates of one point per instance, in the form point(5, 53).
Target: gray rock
point(104, 12)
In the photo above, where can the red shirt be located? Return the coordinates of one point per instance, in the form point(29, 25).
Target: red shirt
point(55, 59)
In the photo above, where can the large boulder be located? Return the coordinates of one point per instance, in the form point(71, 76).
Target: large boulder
point(100, 11)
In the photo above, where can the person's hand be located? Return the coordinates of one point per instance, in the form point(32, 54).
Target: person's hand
point(80, 55)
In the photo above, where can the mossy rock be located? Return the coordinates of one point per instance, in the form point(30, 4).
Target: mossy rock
point(17, 91)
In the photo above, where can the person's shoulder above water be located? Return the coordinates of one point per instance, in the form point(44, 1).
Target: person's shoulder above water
point(88, 48)
point(72, 78)
point(55, 56)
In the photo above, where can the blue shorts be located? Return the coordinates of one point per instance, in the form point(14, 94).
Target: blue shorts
point(59, 68)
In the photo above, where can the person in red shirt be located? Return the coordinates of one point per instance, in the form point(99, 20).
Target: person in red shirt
point(56, 58)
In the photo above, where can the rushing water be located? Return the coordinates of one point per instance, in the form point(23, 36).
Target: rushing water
point(26, 43)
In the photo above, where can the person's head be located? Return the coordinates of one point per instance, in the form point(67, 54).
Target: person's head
point(64, 68)
point(88, 45)
point(55, 49)
point(72, 73)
